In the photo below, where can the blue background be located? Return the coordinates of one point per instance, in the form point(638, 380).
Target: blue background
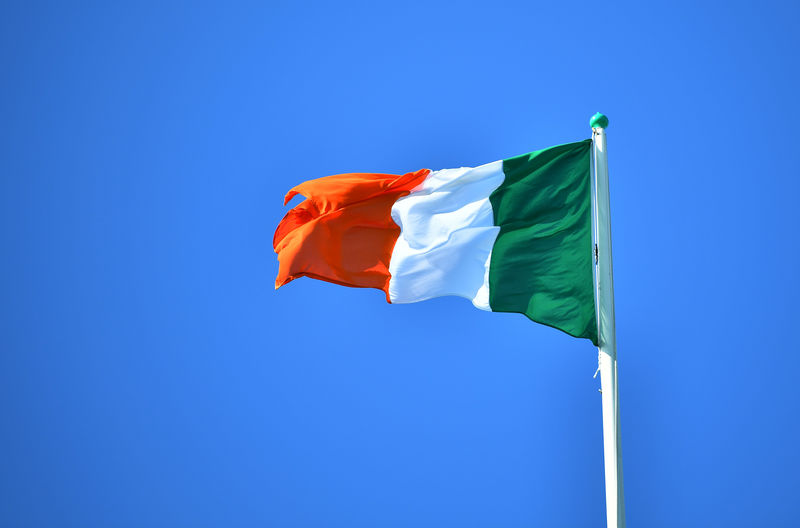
point(151, 376)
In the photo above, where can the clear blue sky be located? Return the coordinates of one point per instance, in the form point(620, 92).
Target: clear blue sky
point(150, 376)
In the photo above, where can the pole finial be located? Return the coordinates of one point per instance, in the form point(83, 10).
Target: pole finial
point(598, 121)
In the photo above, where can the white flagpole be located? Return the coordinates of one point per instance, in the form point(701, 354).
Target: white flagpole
point(607, 360)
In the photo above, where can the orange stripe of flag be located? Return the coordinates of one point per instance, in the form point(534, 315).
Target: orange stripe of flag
point(343, 232)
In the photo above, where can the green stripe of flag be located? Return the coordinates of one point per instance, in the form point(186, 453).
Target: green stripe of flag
point(541, 263)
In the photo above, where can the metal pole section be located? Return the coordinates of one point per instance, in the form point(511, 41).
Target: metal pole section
point(607, 359)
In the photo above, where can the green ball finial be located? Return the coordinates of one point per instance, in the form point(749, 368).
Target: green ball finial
point(598, 121)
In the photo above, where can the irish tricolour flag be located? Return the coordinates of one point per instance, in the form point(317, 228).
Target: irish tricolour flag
point(511, 236)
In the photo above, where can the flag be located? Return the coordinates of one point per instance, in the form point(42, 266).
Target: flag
point(511, 236)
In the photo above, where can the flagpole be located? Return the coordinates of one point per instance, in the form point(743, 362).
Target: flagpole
point(607, 353)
